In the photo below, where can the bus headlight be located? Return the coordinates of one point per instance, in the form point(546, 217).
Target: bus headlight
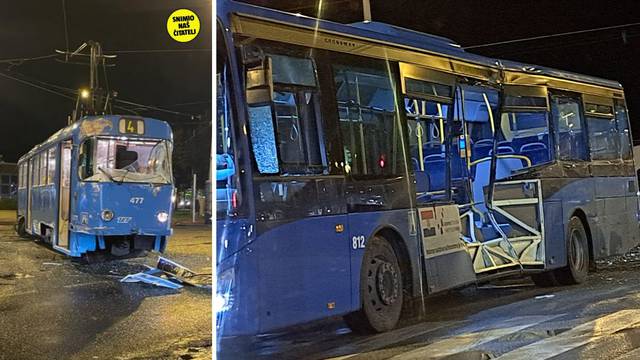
point(107, 215)
point(223, 300)
point(162, 217)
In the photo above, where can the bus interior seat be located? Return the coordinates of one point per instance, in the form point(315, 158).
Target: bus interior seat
point(503, 150)
point(481, 149)
point(537, 152)
point(422, 182)
point(435, 165)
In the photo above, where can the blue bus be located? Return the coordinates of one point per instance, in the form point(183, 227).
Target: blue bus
point(363, 165)
point(102, 185)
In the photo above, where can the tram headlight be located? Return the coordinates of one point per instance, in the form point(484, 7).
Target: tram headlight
point(162, 217)
point(106, 215)
point(223, 300)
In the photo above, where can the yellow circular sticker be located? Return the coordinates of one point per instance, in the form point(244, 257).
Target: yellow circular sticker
point(183, 25)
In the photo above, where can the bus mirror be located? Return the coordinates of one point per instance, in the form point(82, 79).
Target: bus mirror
point(259, 83)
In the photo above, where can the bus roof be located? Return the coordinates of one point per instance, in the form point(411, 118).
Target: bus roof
point(401, 37)
point(104, 125)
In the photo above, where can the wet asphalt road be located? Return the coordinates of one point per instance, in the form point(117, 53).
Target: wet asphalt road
point(510, 319)
point(54, 308)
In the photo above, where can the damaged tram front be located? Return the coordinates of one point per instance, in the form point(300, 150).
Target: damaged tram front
point(101, 185)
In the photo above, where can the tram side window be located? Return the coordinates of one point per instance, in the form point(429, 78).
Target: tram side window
point(51, 166)
point(368, 122)
point(43, 168)
point(36, 170)
point(85, 159)
point(622, 119)
point(568, 126)
point(604, 142)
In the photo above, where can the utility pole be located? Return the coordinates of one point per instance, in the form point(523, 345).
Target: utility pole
point(94, 100)
point(366, 10)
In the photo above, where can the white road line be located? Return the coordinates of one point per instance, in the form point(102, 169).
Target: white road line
point(578, 336)
point(464, 342)
point(389, 338)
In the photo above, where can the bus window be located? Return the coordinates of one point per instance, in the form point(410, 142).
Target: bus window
point(604, 142)
point(426, 121)
point(622, 119)
point(368, 122)
point(296, 107)
point(479, 128)
point(527, 134)
point(568, 127)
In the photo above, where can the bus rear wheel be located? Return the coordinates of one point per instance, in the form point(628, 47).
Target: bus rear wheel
point(380, 289)
point(577, 267)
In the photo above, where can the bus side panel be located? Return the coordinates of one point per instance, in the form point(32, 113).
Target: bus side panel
point(303, 270)
point(243, 284)
point(572, 194)
point(368, 224)
point(44, 207)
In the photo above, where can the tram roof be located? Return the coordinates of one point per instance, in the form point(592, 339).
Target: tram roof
point(406, 38)
point(102, 125)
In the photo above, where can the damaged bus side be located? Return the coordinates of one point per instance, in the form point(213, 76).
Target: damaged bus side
point(363, 165)
point(101, 185)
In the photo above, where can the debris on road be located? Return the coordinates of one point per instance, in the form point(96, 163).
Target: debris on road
point(549, 296)
point(151, 279)
point(168, 274)
point(182, 273)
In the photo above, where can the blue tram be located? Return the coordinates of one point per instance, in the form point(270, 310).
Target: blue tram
point(103, 184)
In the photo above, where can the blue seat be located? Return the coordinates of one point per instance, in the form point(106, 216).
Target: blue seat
point(537, 152)
point(435, 166)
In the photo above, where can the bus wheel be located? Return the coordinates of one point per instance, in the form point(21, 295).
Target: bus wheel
point(577, 255)
point(380, 289)
point(21, 228)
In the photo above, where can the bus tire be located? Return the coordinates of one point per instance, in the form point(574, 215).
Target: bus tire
point(381, 293)
point(577, 244)
point(21, 229)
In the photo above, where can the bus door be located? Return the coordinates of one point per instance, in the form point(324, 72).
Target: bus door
point(64, 188)
point(505, 224)
point(439, 164)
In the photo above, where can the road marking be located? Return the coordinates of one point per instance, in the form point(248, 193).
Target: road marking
point(386, 339)
point(467, 341)
point(18, 293)
point(578, 336)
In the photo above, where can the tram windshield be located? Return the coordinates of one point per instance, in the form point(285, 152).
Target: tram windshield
point(125, 160)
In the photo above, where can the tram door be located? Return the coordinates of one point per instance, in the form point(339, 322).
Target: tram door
point(28, 225)
point(65, 191)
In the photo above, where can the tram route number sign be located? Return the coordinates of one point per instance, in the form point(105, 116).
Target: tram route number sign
point(131, 126)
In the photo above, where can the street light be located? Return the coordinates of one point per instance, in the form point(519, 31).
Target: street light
point(84, 93)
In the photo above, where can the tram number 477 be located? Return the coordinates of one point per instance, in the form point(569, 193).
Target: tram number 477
point(358, 242)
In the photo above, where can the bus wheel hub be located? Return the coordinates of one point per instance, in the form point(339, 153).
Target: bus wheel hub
point(387, 283)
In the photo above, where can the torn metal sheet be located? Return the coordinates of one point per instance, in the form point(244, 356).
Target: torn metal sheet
point(178, 271)
point(151, 279)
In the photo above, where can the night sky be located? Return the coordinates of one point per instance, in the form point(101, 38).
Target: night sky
point(603, 54)
point(31, 28)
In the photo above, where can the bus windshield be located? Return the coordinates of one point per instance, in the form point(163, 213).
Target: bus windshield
point(125, 160)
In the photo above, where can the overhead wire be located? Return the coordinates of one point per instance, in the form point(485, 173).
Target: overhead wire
point(550, 36)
